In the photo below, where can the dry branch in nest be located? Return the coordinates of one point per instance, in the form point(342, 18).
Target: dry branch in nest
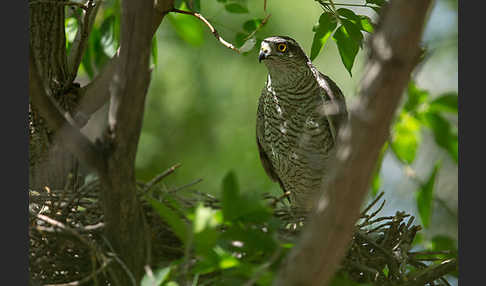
point(67, 246)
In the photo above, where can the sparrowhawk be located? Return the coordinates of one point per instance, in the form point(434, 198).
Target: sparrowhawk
point(299, 113)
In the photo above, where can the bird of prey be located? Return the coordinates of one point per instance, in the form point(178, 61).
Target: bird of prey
point(299, 113)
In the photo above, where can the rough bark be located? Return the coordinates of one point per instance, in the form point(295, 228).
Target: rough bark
point(125, 80)
point(50, 162)
point(125, 224)
point(393, 54)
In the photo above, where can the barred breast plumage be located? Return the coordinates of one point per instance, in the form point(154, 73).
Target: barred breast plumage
point(299, 112)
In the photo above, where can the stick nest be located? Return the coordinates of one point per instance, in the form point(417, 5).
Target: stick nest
point(67, 245)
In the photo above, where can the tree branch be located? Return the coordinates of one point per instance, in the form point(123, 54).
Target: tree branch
point(72, 138)
point(432, 273)
point(95, 94)
point(81, 39)
point(394, 48)
point(213, 30)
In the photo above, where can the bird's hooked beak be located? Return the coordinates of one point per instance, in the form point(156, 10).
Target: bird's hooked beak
point(264, 52)
point(261, 56)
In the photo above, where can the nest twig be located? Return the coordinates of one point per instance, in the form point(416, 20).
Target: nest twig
point(67, 246)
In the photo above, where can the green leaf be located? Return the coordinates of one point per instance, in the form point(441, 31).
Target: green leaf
point(154, 50)
point(108, 40)
point(240, 39)
point(195, 5)
point(237, 207)
point(415, 97)
point(226, 259)
point(231, 196)
point(205, 222)
point(206, 217)
point(251, 25)
point(444, 243)
point(236, 8)
point(365, 24)
point(376, 2)
point(177, 225)
point(187, 28)
point(348, 14)
point(322, 31)
point(425, 197)
point(248, 45)
point(71, 28)
point(159, 276)
point(405, 137)
point(447, 102)
point(376, 183)
point(348, 38)
point(443, 132)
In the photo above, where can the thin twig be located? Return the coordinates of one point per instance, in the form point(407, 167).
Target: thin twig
point(279, 199)
point(185, 186)
point(261, 269)
point(213, 30)
point(72, 138)
point(81, 39)
point(264, 21)
point(122, 264)
point(87, 278)
point(159, 177)
point(363, 214)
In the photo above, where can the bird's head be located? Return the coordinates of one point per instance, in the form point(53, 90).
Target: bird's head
point(281, 51)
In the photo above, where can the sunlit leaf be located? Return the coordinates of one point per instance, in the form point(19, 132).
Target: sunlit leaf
point(425, 197)
point(348, 38)
point(405, 138)
point(108, 40)
point(71, 28)
point(236, 8)
point(226, 260)
point(205, 217)
point(322, 31)
point(366, 24)
point(159, 276)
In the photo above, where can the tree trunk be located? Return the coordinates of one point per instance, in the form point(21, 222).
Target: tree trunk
point(54, 138)
point(394, 52)
point(50, 162)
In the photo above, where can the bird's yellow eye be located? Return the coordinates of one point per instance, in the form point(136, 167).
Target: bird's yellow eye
point(282, 47)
